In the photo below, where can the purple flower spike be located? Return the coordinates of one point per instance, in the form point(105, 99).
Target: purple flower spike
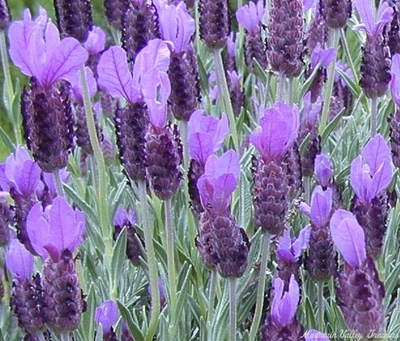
point(284, 304)
point(106, 314)
point(20, 173)
point(250, 16)
point(373, 24)
point(206, 134)
point(57, 228)
point(395, 81)
point(277, 132)
point(177, 26)
point(372, 172)
point(323, 170)
point(315, 335)
point(321, 206)
point(219, 180)
point(36, 48)
point(19, 260)
point(348, 237)
point(289, 249)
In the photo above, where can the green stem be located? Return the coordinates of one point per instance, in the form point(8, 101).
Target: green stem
point(151, 261)
point(374, 114)
point(321, 306)
point(261, 287)
point(225, 96)
point(290, 90)
point(59, 185)
point(64, 337)
point(102, 204)
point(329, 85)
point(348, 55)
point(280, 92)
point(211, 299)
point(9, 90)
point(171, 267)
point(232, 309)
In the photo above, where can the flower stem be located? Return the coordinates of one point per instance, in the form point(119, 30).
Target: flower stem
point(280, 91)
point(64, 337)
point(171, 267)
point(348, 55)
point(151, 261)
point(102, 204)
point(211, 299)
point(58, 182)
point(9, 90)
point(225, 96)
point(321, 305)
point(261, 287)
point(232, 309)
point(374, 114)
point(329, 84)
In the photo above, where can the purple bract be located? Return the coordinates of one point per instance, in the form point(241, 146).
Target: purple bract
point(19, 260)
point(250, 16)
point(106, 314)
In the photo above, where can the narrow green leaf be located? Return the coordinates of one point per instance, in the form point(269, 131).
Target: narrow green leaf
point(135, 330)
point(119, 256)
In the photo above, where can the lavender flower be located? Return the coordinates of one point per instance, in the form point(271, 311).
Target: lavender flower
point(375, 65)
point(177, 26)
point(288, 253)
point(106, 314)
point(271, 181)
point(321, 260)
point(221, 243)
point(5, 15)
point(114, 11)
point(27, 294)
point(6, 219)
point(285, 43)
point(205, 136)
point(134, 243)
point(335, 12)
point(395, 118)
point(214, 22)
point(74, 18)
point(360, 291)
point(370, 175)
point(250, 17)
point(35, 47)
point(282, 323)
point(323, 170)
point(55, 233)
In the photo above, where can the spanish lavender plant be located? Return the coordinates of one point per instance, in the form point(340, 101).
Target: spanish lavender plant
point(114, 11)
point(250, 17)
point(134, 243)
point(335, 12)
point(205, 136)
point(5, 16)
point(106, 314)
point(6, 219)
point(27, 300)
point(55, 233)
point(177, 26)
point(393, 31)
point(35, 47)
point(281, 323)
point(74, 18)
point(359, 289)
point(395, 117)
point(370, 175)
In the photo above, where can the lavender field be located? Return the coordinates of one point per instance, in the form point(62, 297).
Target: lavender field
point(200, 170)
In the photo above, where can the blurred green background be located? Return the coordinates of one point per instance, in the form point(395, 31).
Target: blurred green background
point(16, 8)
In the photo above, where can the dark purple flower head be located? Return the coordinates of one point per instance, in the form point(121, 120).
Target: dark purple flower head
point(323, 170)
point(395, 80)
point(277, 131)
point(56, 228)
point(219, 180)
point(250, 16)
point(371, 172)
point(148, 82)
point(289, 249)
point(373, 24)
point(122, 217)
point(206, 135)
point(284, 304)
point(19, 260)
point(315, 335)
point(321, 206)
point(106, 314)
point(348, 237)
point(36, 48)
point(21, 174)
point(176, 26)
